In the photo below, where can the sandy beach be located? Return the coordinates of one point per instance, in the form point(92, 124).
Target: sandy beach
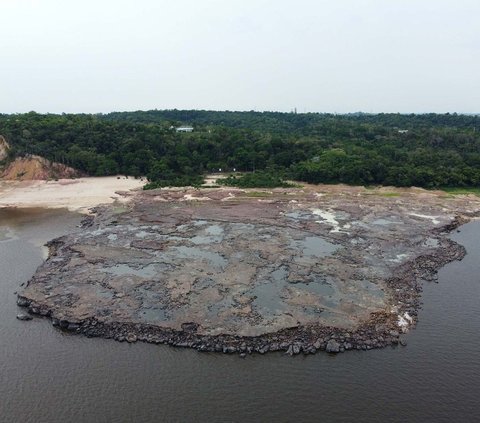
point(74, 194)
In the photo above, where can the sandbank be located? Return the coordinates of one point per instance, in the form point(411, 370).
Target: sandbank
point(74, 194)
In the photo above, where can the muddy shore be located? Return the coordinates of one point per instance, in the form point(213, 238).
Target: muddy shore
point(239, 271)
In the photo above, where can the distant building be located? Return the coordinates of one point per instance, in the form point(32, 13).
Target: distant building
point(184, 129)
point(403, 131)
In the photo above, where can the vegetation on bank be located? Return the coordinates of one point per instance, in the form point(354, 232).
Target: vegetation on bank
point(255, 180)
point(429, 150)
point(175, 181)
point(462, 191)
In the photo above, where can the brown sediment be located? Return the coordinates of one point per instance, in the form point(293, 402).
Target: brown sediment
point(33, 167)
point(251, 270)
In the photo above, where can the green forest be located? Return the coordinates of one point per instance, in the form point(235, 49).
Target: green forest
point(427, 150)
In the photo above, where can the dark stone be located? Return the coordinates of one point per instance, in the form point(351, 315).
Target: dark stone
point(274, 347)
point(263, 350)
point(22, 316)
point(131, 337)
point(73, 327)
point(190, 327)
point(332, 346)
point(22, 302)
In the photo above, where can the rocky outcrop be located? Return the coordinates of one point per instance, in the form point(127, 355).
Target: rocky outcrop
point(218, 270)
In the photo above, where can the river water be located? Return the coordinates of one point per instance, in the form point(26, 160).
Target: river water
point(49, 376)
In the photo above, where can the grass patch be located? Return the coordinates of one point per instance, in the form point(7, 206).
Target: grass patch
point(258, 179)
point(462, 191)
point(383, 194)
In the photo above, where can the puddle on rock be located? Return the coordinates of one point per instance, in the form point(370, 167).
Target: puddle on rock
point(213, 234)
point(196, 253)
point(314, 246)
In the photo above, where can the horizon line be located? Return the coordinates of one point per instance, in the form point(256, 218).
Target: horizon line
point(246, 111)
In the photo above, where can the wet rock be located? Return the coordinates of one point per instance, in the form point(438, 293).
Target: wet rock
point(22, 316)
point(332, 346)
point(263, 349)
point(190, 327)
point(274, 347)
point(131, 337)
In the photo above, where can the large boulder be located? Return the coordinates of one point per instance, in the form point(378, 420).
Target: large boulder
point(333, 346)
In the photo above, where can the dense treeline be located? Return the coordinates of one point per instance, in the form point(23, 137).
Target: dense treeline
point(424, 150)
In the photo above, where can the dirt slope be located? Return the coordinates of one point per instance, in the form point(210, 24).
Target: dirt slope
point(37, 168)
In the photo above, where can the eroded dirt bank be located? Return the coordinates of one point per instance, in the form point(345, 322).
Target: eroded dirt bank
point(325, 268)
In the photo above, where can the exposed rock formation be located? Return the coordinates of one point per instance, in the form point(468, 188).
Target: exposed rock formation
point(223, 270)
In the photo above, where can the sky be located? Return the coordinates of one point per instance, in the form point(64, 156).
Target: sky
point(339, 56)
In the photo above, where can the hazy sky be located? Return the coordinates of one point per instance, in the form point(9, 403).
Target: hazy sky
point(315, 55)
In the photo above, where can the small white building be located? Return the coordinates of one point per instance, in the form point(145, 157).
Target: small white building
point(184, 129)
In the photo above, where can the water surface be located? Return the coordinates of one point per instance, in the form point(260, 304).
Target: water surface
point(49, 376)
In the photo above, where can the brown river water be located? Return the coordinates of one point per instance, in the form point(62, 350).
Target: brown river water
point(50, 376)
